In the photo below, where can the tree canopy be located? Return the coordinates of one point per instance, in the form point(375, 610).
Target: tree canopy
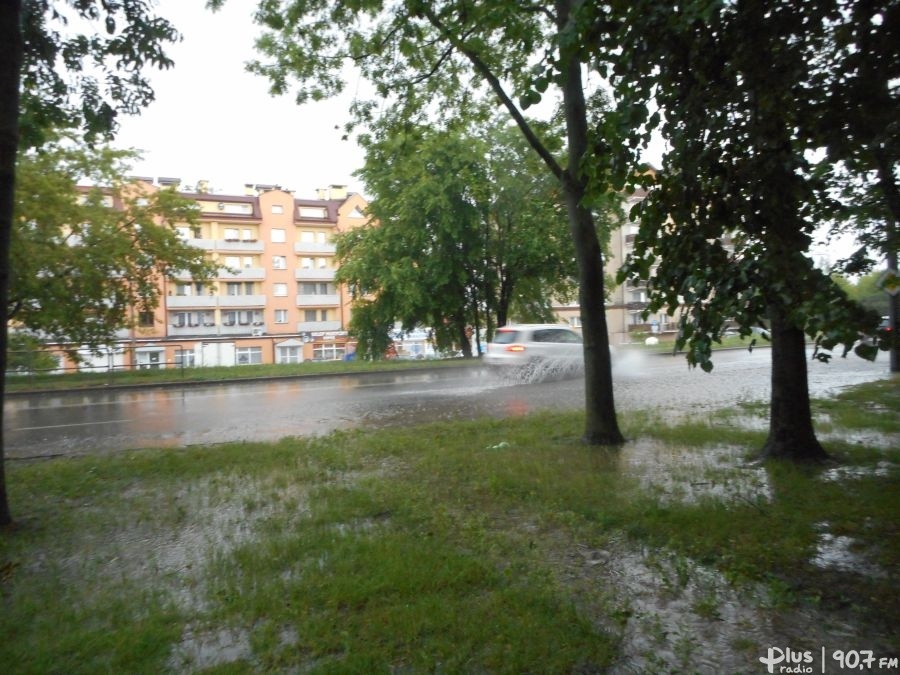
point(84, 63)
point(52, 74)
point(466, 231)
point(86, 261)
point(435, 61)
point(729, 221)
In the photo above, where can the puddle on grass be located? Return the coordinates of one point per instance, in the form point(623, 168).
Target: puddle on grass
point(686, 474)
point(843, 554)
point(671, 615)
point(842, 473)
point(201, 650)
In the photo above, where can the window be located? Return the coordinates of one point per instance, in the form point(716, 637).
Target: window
point(281, 316)
point(231, 234)
point(311, 212)
point(309, 315)
point(183, 232)
point(306, 263)
point(245, 356)
point(249, 288)
point(234, 288)
point(279, 290)
point(145, 320)
point(232, 262)
point(182, 319)
point(322, 263)
point(183, 290)
point(312, 237)
point(555, 335)
point(278, 236)
point(185, 358)
point(289, 355)
point(229, 318)
point(248, 262)
point(313, 288)
point(277, 208)
point(279, 262)
point(328, 352)
point(248, 235)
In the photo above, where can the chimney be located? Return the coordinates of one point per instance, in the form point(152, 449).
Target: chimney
point(249, 190)
point(338, 192)
point(203, 186)
point(169, 182)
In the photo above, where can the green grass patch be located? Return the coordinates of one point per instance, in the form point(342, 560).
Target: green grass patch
point(457, 547)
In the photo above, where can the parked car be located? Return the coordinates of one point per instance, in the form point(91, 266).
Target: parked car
point(529, 345)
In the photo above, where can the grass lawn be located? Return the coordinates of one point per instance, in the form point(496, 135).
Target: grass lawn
point(485, 546)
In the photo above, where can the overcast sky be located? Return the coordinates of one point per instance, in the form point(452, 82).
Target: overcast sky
point(214, 121)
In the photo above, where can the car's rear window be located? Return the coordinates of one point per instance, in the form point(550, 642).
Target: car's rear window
point(505, 337)
point(556, 335)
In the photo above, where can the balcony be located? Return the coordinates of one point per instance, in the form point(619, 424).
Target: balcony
point(328, 300)
point(190, 301)
point(246, 273)
point(229, 301)
point(301, 248)
point(202, 330)
point(205, 244)
point(238, 245)
point(318, 326)
point(314, 275)
point(241, 329)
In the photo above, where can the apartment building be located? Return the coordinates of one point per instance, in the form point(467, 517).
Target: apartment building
point(626, 302)
point(275, 299)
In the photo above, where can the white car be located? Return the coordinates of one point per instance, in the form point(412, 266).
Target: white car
point(536, 345)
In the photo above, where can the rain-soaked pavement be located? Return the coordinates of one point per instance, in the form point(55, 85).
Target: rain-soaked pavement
point(105, 421)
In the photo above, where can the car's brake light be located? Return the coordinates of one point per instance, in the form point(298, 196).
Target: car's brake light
point(515, 348)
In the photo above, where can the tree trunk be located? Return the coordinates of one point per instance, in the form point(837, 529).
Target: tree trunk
point(506, 288)
point(791, 434)
point(601, 425)
point(10, 64)
point(892, 198)
point(465, 344)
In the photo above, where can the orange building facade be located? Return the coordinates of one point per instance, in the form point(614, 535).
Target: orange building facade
point(274, 300)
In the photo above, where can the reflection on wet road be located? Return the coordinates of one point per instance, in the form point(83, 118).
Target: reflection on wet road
point(104, 421)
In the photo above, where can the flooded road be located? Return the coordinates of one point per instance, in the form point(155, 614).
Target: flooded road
point(105, 421)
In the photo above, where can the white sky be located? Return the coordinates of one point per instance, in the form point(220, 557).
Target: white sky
point(212, 120)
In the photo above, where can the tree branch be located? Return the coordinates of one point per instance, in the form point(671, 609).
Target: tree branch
point(498, 90)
